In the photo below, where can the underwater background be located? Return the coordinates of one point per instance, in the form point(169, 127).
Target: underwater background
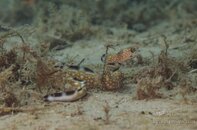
point(138, 15)
point(98, 64)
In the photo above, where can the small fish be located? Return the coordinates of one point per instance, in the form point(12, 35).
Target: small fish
point(68, 95)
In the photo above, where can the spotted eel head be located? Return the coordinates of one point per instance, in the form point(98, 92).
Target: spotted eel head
point(121, 56)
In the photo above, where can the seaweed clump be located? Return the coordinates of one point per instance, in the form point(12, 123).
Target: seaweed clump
point(163, 75)
point(48, 77)
point(24, 73)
